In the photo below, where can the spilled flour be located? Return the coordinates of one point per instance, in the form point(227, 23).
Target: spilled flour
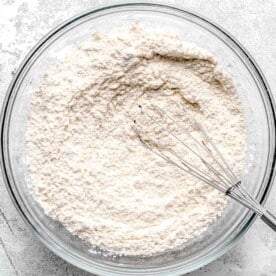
point(87, 164)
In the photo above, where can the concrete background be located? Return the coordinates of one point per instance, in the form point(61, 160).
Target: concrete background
point(23, 23)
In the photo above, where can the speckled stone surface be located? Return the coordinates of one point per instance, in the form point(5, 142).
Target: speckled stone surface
point(23, 23)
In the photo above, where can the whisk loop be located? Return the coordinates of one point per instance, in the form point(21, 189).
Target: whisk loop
point(218, 175)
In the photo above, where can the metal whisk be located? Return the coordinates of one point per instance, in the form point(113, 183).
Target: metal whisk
point(219, 175)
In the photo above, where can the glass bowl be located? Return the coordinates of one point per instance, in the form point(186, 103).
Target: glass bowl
point(259, 112)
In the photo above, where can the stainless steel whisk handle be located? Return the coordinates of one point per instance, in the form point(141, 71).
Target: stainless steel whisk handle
point(239, 194)
point(269, 219)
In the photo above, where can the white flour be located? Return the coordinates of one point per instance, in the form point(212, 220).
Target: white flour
point(88, 167)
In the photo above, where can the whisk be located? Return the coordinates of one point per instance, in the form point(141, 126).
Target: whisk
point(219, 175)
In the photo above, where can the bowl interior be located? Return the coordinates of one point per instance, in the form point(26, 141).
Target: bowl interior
point(192, 29)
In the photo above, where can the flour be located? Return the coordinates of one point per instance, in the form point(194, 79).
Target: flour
point(88, 167)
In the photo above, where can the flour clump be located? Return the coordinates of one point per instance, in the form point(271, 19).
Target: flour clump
point(89, 169)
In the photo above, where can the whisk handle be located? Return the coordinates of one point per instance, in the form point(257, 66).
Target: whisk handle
point(269, 219)
point(240, 195)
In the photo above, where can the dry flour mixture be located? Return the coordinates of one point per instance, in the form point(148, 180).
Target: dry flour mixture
point(88, 167)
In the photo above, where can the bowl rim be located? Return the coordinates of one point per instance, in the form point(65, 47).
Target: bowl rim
point(10, 97)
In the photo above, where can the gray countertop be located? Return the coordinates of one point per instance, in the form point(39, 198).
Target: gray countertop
point(24, 22)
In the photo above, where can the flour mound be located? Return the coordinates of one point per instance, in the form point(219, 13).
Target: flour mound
point(89, 169)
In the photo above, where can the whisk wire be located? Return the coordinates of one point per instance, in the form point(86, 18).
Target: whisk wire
point(187, 167)
point(226, 170)
point(203, 160)
point(201, 145)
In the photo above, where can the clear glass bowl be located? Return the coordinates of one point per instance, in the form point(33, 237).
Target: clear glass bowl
point(259, 111)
